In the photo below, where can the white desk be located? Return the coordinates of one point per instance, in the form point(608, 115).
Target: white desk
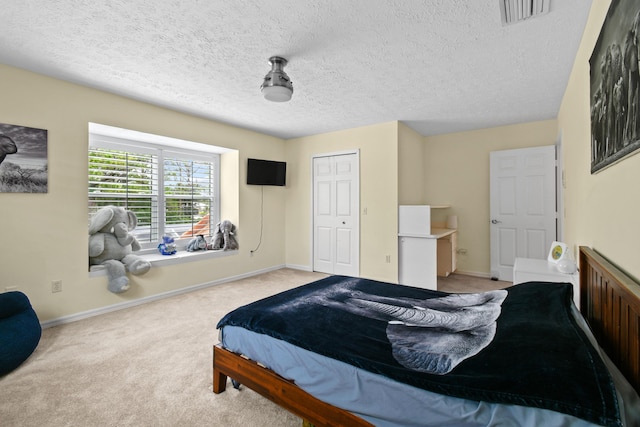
point(540, 270)
point(419, 261)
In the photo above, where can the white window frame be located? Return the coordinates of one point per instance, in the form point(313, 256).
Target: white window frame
point(101, 136)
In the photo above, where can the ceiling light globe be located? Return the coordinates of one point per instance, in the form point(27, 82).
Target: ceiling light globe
point(277, 93)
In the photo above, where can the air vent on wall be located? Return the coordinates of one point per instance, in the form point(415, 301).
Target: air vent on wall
point(514, 11)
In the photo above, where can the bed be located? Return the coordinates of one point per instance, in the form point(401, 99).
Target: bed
point(324, 386)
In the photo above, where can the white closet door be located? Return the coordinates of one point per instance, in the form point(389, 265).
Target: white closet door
point(336, 228)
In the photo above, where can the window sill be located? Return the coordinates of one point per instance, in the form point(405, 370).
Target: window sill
point(158, 260)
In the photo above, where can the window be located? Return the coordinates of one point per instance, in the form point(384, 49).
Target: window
point(172, 188)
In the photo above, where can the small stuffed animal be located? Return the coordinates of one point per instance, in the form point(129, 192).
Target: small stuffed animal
point(111, 245)
point(168, 246)
point(224, 236)
point(197, 244)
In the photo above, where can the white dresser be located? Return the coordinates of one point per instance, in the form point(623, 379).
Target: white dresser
point(541, 270)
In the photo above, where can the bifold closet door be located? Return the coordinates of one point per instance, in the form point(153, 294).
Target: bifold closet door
point(336, 227)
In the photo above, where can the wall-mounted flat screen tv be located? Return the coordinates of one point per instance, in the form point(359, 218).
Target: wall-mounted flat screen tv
point(266, 172)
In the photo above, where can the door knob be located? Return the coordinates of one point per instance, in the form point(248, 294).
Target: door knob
point(495, 221)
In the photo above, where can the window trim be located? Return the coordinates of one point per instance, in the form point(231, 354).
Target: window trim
point(137, 142)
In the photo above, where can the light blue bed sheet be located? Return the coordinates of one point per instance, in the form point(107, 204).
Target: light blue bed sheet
point(388, 403)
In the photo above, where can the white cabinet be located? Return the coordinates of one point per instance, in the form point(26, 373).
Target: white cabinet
point(541, 270)
point(414, 219)
point(417, 262)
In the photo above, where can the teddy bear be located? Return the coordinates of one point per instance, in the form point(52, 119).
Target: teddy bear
point(111, 245)
point(223, 236)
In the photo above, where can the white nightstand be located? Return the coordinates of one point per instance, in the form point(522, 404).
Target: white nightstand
point(541, 270)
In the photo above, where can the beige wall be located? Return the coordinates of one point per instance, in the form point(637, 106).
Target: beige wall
point(411, 170)
point(448, 169)
point(378, 148)
point(457, 174)
point(45, 235)
point(601, 210)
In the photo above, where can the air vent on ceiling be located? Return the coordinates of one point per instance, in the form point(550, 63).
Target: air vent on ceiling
point(514, 11)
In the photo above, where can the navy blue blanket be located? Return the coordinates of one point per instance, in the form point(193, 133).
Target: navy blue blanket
point(521, 347)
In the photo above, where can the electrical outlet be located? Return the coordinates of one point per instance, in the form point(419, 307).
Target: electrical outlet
point(388, 259)
point(56, 286)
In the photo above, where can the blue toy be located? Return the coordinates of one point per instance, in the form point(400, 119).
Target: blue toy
point(168, 246)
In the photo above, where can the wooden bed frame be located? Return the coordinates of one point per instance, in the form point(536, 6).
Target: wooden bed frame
point(610, 302)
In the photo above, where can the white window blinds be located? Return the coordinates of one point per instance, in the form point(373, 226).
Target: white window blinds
point(171, 191)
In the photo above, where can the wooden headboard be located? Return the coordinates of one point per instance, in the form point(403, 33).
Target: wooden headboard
point(610, 301)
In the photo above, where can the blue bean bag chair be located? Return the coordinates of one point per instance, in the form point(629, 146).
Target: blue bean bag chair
point(20, 330)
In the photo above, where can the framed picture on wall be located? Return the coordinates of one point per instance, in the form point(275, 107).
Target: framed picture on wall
point(23, 159)
point(615, 86)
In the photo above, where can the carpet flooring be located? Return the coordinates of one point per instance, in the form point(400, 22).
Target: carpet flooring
point(150, 365)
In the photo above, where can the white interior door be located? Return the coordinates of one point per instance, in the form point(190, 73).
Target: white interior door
point(523, 206)
point(336, 227)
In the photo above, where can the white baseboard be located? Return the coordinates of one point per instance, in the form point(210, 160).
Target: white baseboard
point(128, 304)
point(299, 267)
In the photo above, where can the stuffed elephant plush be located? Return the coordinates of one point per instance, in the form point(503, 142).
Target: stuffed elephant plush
point(111, 245)
point(224, 236)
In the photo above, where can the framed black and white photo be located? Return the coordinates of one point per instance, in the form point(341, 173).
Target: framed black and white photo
point(23, 159)
point(615, 84)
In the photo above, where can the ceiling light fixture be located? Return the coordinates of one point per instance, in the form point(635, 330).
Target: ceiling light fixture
point(276, 86)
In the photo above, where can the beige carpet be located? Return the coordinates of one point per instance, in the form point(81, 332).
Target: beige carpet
point(464, 283)
point(151, 365)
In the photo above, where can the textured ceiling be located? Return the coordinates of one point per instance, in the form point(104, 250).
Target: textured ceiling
point(439, 66)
